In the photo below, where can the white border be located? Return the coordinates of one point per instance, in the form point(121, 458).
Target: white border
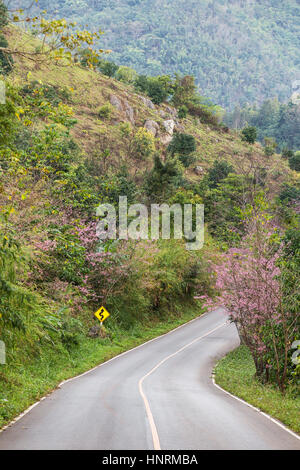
point(254, 408)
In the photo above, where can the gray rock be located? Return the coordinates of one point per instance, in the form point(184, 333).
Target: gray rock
point(151, 126)
point(166, 139)
point(123, 106)
point(198, 170)
point(94, 331)
point(116, 102)
point(147, 102)
point(171, 110)
point(129, 113)
point(179, 127)
point(169, 126)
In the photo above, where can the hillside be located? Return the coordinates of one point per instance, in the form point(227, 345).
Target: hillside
point(90, 90)
point(239, 51)
point(70, 139)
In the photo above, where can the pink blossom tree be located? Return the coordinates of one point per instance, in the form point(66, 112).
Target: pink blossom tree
point(250, 284)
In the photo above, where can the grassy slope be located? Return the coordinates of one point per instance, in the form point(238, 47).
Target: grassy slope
point(236, 374)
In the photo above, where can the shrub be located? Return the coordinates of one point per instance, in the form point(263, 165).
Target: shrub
point(15, 301)
point(52, 93)
point(219, 171)
point(108, 68)
point(141, 84)
point(287, 153)
point(289, 193)
point(270, 146)
point(249, 134)
point(204, 113)
point(182, 112)
point(126, 74)
point(8, 117)
point(184, 90)
point(143, 144)
point(120, 184)
point(105, 111)
point(164, 178)
point(187, 160)
point(3, 15)
point(182, 144)
point(6, 60)
point(294, 161)
point(157, 88)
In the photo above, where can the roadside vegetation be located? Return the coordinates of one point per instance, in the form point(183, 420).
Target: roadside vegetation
point(236, 374)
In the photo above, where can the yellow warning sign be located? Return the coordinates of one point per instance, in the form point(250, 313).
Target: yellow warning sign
point(102, 314)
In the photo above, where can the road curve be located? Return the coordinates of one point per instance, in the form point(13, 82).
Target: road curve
point(159, 395)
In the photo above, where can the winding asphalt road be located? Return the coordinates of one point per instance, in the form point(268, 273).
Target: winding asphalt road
point(157, 396)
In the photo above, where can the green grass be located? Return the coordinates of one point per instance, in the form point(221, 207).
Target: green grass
point(236, 374)
point(24, 383)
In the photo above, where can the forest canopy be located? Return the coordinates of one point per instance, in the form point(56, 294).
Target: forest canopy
point(202, 39)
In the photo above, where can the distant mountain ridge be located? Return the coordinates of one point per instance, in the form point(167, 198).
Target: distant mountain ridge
point(239, 50)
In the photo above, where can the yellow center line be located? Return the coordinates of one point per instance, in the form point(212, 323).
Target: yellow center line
point(153, 428)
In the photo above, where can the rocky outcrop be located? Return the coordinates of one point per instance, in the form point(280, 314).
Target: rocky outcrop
point(169, 126)
point(124, 107)
point(116, 102)
point(166, 139)
point(152, 127)
point(198, 170)
point(147, 102)
point(171, 111)
point(129, 111)
point(179, 127)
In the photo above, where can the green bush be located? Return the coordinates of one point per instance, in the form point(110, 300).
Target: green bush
point(187, 160)
point(270, 146)
point(8, 119)
point(182, 144)
point(157, 88)
point(287, 153)
point(141, 83)
point(105, 111)
point(219, 171)
point(289, 193)
point(126, 74)
point(164, 178)
point(52, 93)
point(15, 301)
point(249, 134)
point(184, 90)
point(108, 68)
point(112, 186)
point(206, 114)
point(182, 112)
point(294, 161)
point(6, 60)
